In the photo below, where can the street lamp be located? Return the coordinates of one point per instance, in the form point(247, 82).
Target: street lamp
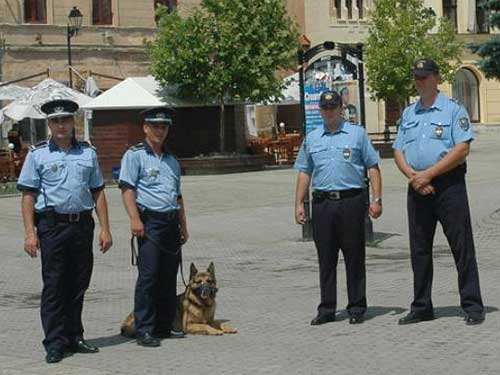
point(75, 19)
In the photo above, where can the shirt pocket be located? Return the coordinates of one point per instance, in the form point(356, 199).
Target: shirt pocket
point(410, 132)
point(84, 169)
point(54, 171)
point(319, 154)
point(440, 130)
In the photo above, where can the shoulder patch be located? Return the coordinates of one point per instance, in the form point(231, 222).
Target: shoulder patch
point(138, 146)
point(39, 145)
point(464, 123)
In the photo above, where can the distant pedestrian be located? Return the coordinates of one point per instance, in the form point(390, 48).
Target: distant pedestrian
point(150, 179)
point(431, 147)
point(335, 157)
point(62, 183)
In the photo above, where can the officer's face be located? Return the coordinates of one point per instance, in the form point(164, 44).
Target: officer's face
point(61, 128)
point(331, 115)
point(426, 85)
point(156, 132)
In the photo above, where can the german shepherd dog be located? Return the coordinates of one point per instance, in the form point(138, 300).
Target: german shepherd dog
point(195, 307)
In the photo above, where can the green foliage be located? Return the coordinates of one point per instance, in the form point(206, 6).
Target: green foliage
point(225, 50)
point(489, 50)
point(399, 34)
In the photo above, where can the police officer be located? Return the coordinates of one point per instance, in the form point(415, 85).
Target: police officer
point(61, 184)
point(335, 157)
point(150, 183)
point(432, 144)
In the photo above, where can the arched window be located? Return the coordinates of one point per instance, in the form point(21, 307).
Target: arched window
point(450, 11)
point(338, 9)
point(348, 4)
point(102, 12)
point(35, 11)
point(465, 90)
point(359, 4)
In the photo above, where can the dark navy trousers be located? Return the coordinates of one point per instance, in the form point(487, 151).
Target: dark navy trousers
point(157, 262)
point(339, 225)
point(67, 261)
point(450, 207)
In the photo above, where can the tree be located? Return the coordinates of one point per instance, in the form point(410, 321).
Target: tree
point(225, 51)
point(489, 50)
point(400, 32)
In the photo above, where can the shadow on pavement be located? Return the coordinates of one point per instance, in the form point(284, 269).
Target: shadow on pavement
point(372, 312)
point(103, 342)
point(450, 311)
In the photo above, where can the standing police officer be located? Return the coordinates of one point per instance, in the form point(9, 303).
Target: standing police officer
point(335, 157)
point(430, 150)
point(150, 183)
point(61, 184)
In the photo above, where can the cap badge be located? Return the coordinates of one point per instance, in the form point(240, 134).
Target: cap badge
point(58, 109)
point(439, 131)
point(160, 115)
point(328, 96)
point(346, 153)
point(420, 65)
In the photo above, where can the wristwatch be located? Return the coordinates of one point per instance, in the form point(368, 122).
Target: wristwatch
point(377, 200)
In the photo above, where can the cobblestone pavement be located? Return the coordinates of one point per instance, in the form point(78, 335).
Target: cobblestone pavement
point(268, 282)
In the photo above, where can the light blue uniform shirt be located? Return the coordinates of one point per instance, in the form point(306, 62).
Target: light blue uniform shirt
point(337, 160)
point(156, 179)
point(63, 179)
point(426, 135)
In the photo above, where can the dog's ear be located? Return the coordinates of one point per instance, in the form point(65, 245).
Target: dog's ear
point(192, 271)
point(211, 270)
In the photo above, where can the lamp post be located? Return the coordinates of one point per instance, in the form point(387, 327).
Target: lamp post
point(75, 19)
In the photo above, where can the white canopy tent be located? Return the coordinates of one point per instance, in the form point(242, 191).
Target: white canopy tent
point(12, 92)
point(135, 93)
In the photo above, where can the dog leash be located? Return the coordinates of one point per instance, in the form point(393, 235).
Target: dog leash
point(177, 253)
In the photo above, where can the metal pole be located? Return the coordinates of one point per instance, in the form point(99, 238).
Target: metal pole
point(369, 237)
point(307, 226)
point(69, 32)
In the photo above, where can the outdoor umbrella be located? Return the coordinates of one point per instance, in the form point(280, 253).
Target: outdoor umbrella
point(12, 92)
point(28, 105)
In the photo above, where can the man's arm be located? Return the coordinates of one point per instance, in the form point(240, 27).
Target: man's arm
point(451, 160)
point(31, 241)
point(375, 208)
point(182, 221)
point(303, 181)
point(129, 201)
point(101, 208)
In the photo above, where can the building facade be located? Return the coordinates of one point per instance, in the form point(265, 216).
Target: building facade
point(346, 21)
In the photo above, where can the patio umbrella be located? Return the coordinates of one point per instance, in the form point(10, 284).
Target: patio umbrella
point(12, 92)
point(28, 105)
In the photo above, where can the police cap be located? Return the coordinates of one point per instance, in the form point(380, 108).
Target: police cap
point(59, 108)
point(158, 115)
point(330, 98)
point(425, 67)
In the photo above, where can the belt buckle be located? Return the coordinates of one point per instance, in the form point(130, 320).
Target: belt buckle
point(335, 195)
point(74, 218)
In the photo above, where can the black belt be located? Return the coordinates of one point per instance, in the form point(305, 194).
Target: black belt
point(67, 218)
point(166, 216)
point(336, 195)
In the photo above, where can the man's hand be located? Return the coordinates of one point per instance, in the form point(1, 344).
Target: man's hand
point(420, 180)
point(137, 227)
point(300, 214)
point(375, 210)
point(426, 190)
point(31, 245)
point(105, 240)
point(184, 233)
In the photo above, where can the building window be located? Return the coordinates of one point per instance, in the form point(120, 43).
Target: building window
point(35, 11)
point(338, 9)
point(101, 12)
point(359, 4)
point(450, 11)
point(170, 4)
point(482, 18)
point(348, 4)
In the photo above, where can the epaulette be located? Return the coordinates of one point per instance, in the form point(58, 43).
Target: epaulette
point(39, 145)
point(86, 144)
point(138, 146)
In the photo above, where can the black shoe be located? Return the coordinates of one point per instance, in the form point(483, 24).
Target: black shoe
point(414, 317)
point(356, 319)
point(322, 319)
point(148, 340)
point(474, 318)
point(82, 346)
point(54, 355)
point(170, 334)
